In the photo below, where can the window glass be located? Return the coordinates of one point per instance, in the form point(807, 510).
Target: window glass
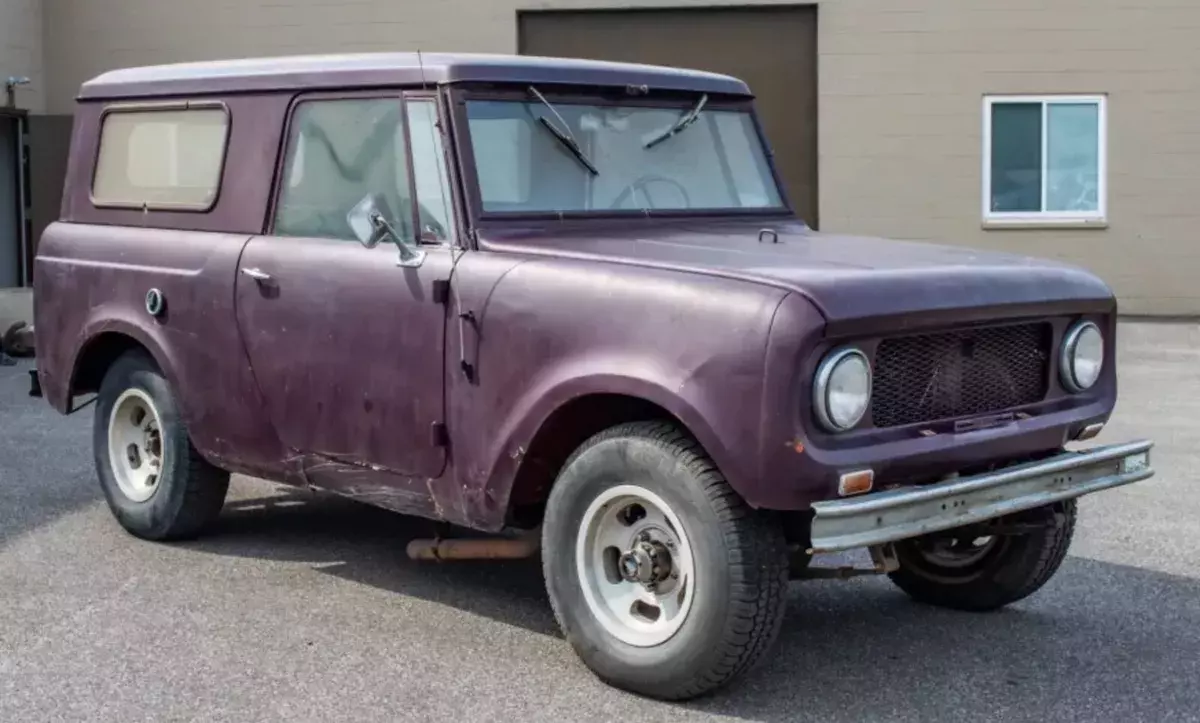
point(748, 166)
point(718, 162)
point(429, 171)
point(1045, 158)
point(340, 151)
point(501, 146)
point(1073, 157)
point(1017, 157)
point(160, 158)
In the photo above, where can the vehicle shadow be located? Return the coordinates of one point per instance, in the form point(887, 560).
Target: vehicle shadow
point(365, 544)
point(1101, 642)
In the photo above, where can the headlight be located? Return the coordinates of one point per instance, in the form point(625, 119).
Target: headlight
point(842, 389)
point(1082, 356)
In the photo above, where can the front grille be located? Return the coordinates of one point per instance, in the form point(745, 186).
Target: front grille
point(959, 373)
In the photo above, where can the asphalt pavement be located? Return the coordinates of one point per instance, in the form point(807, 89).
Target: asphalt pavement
point(302, 608)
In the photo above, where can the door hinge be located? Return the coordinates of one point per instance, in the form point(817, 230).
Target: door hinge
point(439, 435)
point(441, 291)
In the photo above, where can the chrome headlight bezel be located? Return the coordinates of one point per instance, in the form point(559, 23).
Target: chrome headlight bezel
point(825, 372)
point(1068, 354)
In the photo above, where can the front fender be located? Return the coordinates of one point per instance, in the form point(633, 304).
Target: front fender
point(552, 330)
point(691, 403)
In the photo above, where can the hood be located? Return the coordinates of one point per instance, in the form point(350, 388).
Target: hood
point(845, 277)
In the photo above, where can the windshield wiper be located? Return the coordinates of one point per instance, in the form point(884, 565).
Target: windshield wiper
point(564, 136)
point(689, 118)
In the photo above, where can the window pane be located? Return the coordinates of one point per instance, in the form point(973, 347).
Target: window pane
point(717, 163)
point(341, 151)
point(1016, 157)
point(1073, 157)
point(161, 158)
point(502, 157)
point(747, 161)
point(429, 170)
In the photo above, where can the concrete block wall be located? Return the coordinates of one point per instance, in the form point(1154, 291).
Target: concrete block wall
point(901, 86)
point(21, 51)
point(901, 91)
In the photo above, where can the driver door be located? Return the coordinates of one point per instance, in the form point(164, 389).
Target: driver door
point(346, 345)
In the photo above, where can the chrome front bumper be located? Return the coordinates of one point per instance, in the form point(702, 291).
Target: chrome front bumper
point(899, 514)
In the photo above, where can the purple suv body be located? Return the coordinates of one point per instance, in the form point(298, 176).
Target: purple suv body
point(555, 295)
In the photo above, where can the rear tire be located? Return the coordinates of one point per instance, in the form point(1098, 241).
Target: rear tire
point(718, 568)
point(157, 485)
point(961, 575)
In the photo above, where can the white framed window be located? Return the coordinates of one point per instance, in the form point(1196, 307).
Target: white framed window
point(1045, 158)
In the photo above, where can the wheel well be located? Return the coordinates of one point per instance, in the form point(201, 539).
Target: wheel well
point(559, 436)
point(96, 357)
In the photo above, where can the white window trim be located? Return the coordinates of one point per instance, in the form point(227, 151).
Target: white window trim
point(1067, 218)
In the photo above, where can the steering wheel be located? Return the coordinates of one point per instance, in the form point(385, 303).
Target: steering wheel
point(641, 183)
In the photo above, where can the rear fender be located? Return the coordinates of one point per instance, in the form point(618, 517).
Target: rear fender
point(112, 319)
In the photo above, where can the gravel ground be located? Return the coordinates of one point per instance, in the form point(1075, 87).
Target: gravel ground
point(305, 609)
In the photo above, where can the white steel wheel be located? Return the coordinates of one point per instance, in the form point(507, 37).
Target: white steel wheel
point(135, 445)
point(635, 566)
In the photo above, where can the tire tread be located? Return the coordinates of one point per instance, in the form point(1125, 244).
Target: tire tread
point(204, 496)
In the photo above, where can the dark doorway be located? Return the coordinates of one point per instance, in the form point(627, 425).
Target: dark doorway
point(12, 201)
point(773, 49)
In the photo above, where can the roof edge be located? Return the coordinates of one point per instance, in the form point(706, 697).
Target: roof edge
point(283, 73)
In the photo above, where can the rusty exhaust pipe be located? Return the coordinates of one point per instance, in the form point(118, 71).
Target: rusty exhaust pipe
point(491, 548)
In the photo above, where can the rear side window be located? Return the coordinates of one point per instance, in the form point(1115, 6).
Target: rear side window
point(161, 158)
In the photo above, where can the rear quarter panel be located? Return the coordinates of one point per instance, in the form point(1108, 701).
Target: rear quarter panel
point(91, 280)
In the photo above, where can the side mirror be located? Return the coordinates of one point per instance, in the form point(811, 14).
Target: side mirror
point(369, 221)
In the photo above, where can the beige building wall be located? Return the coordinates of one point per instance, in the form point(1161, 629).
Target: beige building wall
point(21, 51)
point(901, 83)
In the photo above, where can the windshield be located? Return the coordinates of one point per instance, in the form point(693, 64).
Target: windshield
point(558, 156)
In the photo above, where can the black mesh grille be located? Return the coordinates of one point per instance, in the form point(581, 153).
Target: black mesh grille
point(973, 371)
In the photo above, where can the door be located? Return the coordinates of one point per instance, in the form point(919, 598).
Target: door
point(346, 345)
point(773, 49)
point(11, 202)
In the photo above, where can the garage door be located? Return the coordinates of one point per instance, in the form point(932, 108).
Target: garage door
point(773, 49)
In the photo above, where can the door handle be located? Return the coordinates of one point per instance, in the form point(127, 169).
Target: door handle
point(257, 274)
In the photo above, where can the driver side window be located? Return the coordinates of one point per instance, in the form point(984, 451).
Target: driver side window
point(338, 152)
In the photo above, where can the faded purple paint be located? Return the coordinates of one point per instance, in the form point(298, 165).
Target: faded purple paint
point(338, 371)
point(92, 280)
point(371, 70)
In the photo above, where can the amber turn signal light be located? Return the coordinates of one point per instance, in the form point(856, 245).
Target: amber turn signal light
point(856, 483)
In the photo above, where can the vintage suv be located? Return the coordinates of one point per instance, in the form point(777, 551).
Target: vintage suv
point(566, 304)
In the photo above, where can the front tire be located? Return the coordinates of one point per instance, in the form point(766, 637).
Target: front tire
point(157, 485)
point(984, 574)
point(663, 580)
